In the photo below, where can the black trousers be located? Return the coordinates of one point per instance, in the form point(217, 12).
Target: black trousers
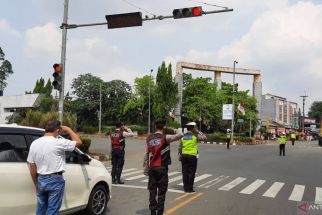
point(158, 186)
point(228, 142)
point(293, 141)
point(189, 167)
point(282, 149)
point(117, 163)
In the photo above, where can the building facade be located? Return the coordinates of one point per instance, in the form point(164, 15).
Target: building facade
point(277, 110)
point(11, 104)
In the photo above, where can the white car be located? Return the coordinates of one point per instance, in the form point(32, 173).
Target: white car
point(87, 187)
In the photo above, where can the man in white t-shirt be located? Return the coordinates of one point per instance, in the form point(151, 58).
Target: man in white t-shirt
point(46, 159)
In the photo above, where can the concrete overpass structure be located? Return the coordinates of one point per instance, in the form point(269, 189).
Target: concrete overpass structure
point(217, 70)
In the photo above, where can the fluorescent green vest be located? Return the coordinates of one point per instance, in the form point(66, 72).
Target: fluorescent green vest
point(293, 136)
point(189, 144)
point(282, 139)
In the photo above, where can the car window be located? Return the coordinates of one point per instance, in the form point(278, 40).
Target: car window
point(13, 148)
point(72, 157)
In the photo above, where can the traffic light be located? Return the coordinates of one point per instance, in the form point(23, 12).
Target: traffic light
point(57, 83)
point(124, 20)
point(187, 12)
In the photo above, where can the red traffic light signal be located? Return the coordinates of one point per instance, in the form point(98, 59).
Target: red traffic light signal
point(57, 83)
point(187, 12)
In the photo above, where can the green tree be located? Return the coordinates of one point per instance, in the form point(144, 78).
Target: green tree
point(165, 97)
point(5, 70)
point(137, 109)
point(316, 110)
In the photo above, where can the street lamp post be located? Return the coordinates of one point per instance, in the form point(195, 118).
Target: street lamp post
point(149, 121)
point(233, 108)
point(100, 113)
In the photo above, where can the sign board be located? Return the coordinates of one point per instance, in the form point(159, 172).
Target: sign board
point(240, 120)
point(308, 120)
point(313, 127)
point(227, 110)
point(295, 122)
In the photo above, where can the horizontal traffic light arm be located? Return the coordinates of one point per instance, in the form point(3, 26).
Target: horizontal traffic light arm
point(72, 26)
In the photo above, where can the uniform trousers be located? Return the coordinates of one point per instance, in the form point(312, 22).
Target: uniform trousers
point(158, 186)
point(282, 149)
point(117, 163)
point(189, 167)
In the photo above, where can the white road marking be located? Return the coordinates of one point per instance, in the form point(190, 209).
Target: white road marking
point(232, 184)
point(318, 195)
point(135, 177)
point(175, 179)
point(143, 187)
point(214, 181)
point(253, 187)
point(128, 170)
point(199, 178)
point(274, 189)
point(132, 173)
point(297, 193)
point(170, 174)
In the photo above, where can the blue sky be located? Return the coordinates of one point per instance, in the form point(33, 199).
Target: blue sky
point(282, 38)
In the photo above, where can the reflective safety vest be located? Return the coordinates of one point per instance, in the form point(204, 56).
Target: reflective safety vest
point(293, 136)
point(282, 139)
point(189, 144)
point(117, 139)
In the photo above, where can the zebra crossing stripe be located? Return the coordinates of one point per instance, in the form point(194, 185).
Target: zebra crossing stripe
point(232, 184)
point(318, 195)
point(214, 181)
point(297, 193)
point(128, 170)
point(253, 187)
point(175, 179)
point(170, 174)
point(132, 173)
point(199, 178)
point(274, 189)
point(135, 177)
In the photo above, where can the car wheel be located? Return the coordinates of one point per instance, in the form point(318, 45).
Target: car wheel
point(97, 202)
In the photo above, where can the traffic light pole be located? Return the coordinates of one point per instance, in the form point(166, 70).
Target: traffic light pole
point(63, 60)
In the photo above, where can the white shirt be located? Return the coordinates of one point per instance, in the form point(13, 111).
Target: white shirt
point(48, 153)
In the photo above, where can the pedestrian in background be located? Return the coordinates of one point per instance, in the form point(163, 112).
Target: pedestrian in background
point(293, 137)
point(46, 160)
point(188, 155)
point(156, 161)
point(118, 136)
point(282, 141)
point(228, 137)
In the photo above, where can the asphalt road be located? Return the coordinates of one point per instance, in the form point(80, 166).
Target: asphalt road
point(243, 180)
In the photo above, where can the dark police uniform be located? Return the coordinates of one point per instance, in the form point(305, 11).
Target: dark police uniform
point(117, 146)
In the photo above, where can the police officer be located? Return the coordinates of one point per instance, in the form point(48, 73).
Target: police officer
point(228, 137)
point(293, 137)
point(188, 155)
point(282, 140)
point(156, 161)
point(117, 150)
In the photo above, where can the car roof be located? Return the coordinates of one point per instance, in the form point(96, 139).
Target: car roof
point(14, 128)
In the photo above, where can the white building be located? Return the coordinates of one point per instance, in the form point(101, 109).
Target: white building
point(11, 104)
point(277, 109)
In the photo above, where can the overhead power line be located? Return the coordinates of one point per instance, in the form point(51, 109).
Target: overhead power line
point(133, 5)
point(205, 3)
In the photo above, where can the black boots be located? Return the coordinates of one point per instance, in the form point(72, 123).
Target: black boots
point(160, 212)
point(154, 212)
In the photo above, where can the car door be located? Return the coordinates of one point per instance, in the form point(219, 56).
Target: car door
point(77, 186)
point(18, 194)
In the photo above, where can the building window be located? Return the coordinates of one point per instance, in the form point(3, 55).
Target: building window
point(280, 113)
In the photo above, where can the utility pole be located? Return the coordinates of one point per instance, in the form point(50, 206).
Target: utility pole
point(100, 113)
point(233, 109)
point(63, 60)
point(303, 113)
point(149, 121)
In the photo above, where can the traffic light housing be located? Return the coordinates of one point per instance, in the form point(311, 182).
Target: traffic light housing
point(187, 12)
point(57, 83)
point(124, 20)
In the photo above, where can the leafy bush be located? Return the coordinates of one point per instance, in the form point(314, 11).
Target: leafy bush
point(217, 137)
point(139, 128)
point(88, 129)
point(86, 144)
point(173, 124)
point(108, 129)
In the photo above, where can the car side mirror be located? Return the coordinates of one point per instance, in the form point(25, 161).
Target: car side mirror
point(85, 158)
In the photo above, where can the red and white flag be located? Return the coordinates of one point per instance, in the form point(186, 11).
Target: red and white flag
point(241, 107)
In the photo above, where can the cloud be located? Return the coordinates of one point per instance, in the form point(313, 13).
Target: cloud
point(43, 41)
point(5, 28)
